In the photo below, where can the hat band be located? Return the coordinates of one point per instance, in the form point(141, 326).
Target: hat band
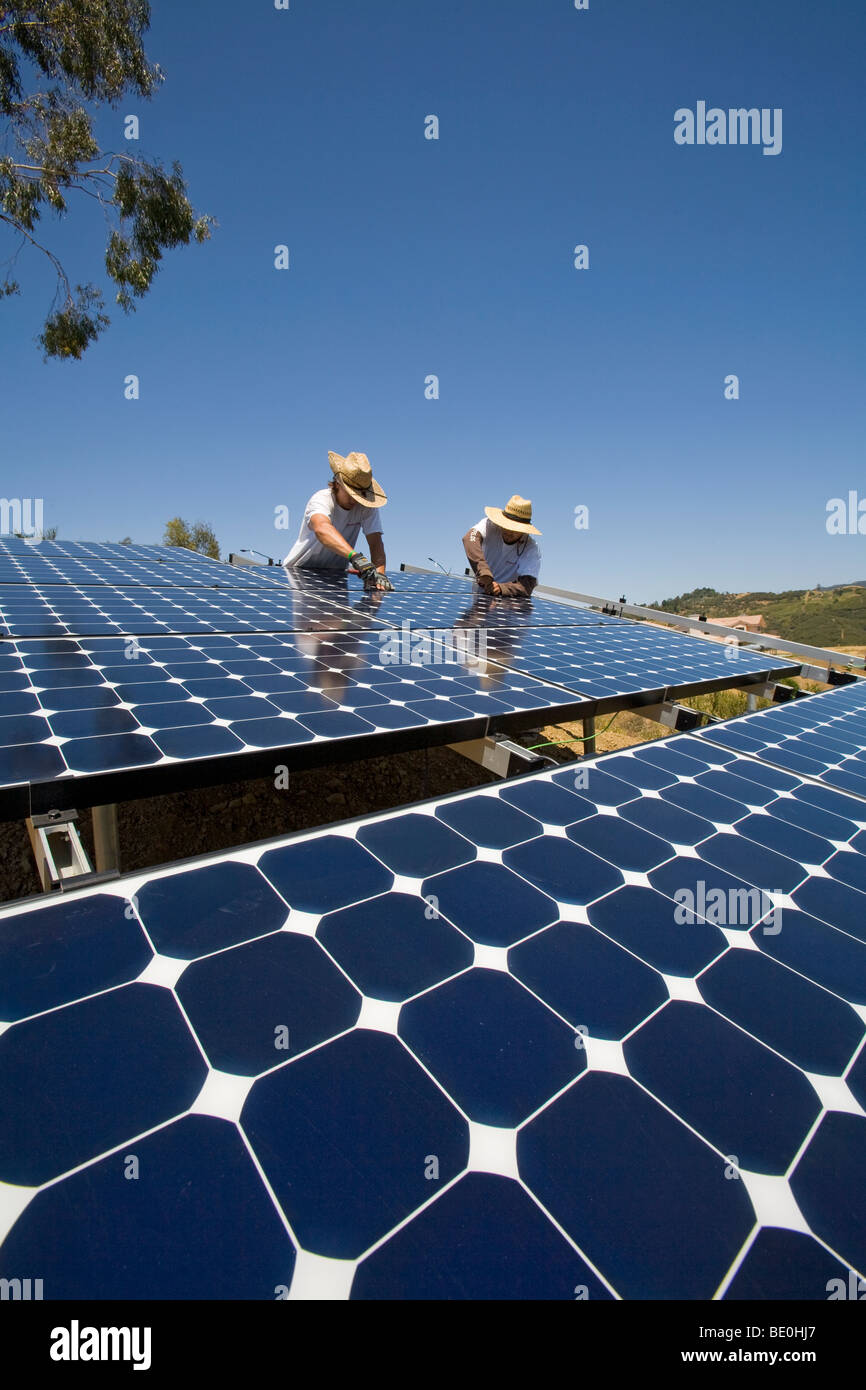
point(513, 516)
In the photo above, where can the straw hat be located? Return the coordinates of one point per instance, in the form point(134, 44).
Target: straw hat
point(355, 474)
point(516, 516)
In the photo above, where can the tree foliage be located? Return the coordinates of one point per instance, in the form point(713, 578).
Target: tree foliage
point(198, 536)
point(56, 58)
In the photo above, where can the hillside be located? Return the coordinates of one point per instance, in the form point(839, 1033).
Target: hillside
point(822, 617)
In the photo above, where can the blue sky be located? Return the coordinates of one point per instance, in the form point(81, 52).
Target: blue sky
point(412, 257)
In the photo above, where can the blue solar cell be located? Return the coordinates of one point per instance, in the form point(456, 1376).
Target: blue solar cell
point(785, 839)
point(656, 1217)
point(255, 1005)
point(483, 1239)
point(721, 810)
point(93, 722)
point(30, 762)
point(743, 1098)
point(820, 952)
point(546, 802)
point(602, 790)
point(494, 907)
point(498, 1052)
point(489, 820)
point(320, 875)
point(819, 822)
point(51, 957)
point(197, 1222)
point(270, 733)
point(675, 824)
point(646, 923)
point(618, 842)
point(763, 867)
point(23, 728)
point(200, 741)
point(588, 979)
point(348, 1172)
point(639, 773)
point(104, 1070)
point(711, 894)
point(834, 902)
point(109, 751)
point(187, 915)
point(785, 1265)
point(564, 870)
point(394, 945)
point(850, 868)
point(416, 845)
point(772, 1002)
point(833, 1164)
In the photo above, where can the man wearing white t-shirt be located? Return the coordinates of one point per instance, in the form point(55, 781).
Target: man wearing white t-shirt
point(504, 557)
point(333, 518)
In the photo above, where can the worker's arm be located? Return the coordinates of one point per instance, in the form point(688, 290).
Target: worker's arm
point(518, 588)
point(377, 550)
point(472, 544)
point(327, 534)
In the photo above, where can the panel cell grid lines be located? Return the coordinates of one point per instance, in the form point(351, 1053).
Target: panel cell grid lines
point(622, 658)
point(823, 736)
point(593, 1033)
point(51, 562)
point(88, 719)
point(55, 610)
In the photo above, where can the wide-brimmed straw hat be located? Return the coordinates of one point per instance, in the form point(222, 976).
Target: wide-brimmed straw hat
point(356, 475)
point(516, 516)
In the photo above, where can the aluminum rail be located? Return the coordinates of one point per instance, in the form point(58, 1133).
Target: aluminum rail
point(709, 629)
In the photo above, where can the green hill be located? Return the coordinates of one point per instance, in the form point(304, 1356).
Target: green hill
point(822, 617)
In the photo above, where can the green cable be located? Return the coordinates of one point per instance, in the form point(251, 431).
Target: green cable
point(560, 743)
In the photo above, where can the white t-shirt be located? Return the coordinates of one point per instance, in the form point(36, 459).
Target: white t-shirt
point(508, 562)
point(309, 552)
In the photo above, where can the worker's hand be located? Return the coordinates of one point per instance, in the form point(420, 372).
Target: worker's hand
point(485, 583)
point(496, 589)
point(361, 565)
point(384, 583)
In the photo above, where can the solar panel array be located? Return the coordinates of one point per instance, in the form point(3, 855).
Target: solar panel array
point(823, 737)
point(596, 1033)
point(129, 670)
point(620, 658)
point(81, 717)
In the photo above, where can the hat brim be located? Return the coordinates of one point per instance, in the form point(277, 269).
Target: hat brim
point(507, 524)
point(373, 496)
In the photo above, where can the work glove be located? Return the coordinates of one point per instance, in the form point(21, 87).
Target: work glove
point(370, 577)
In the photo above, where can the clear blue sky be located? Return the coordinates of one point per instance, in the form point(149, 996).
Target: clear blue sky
point(455, 257)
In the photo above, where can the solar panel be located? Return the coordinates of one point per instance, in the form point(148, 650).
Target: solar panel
point(449, 607)
point(822, 736)
point(593, 1033)
point(137, 610)
point(623, 659)
point(83, 721)
point(86, 565)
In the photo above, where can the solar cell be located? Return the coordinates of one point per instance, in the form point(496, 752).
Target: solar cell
point(84, 721)
point(823, 736)
point(597, 1032)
